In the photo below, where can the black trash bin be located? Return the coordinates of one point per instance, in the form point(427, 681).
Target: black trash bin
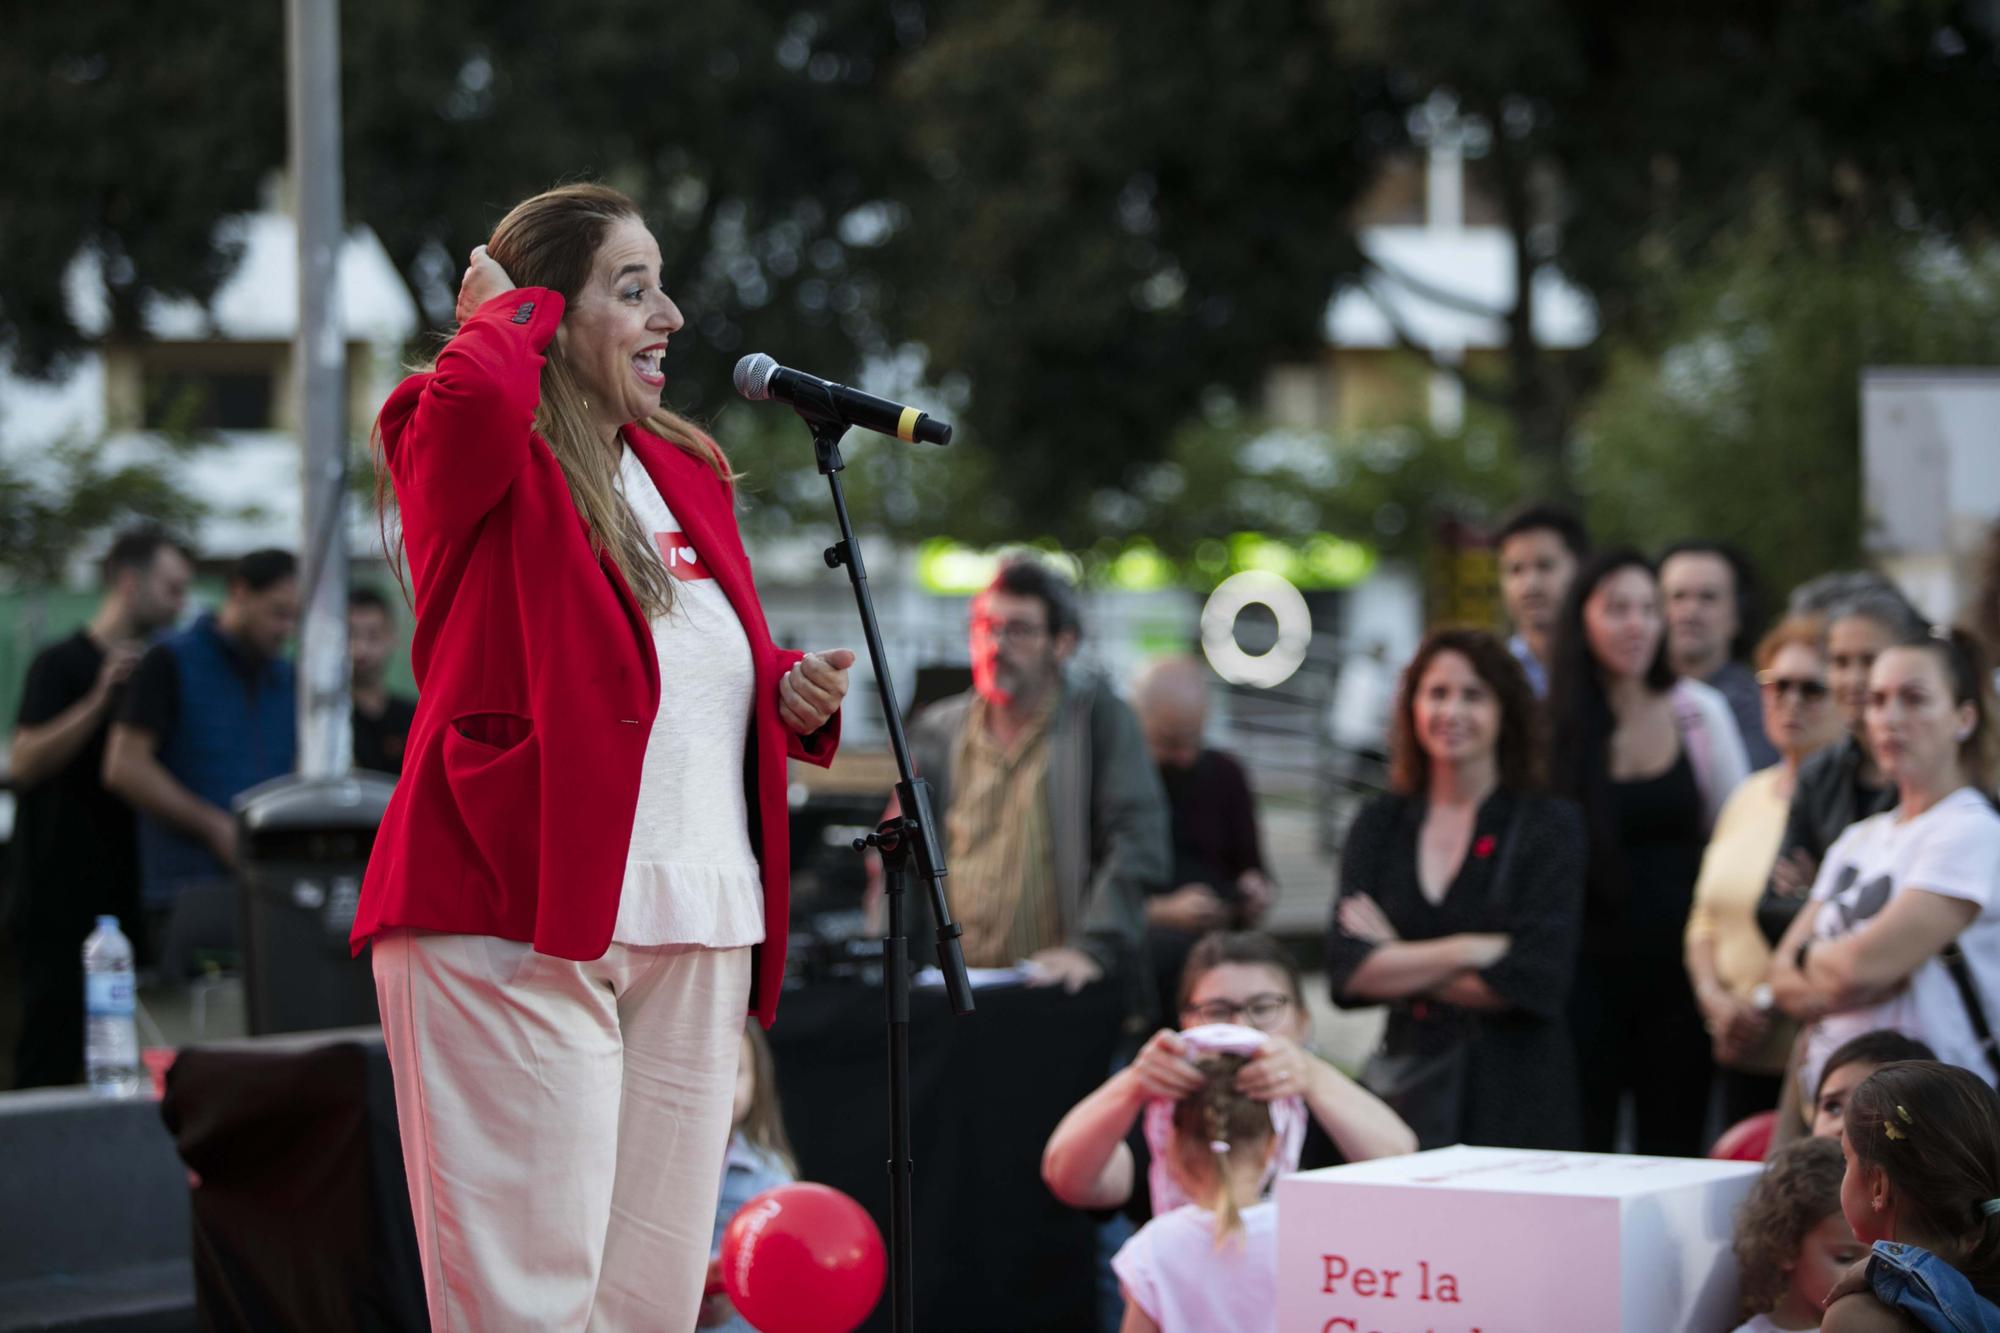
point(304, 844)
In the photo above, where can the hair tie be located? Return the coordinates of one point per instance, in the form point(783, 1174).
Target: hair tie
point(1942, 633)
point(1220, 1147)
point(1991, 1208)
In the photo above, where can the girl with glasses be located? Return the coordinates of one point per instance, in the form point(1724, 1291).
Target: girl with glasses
point(1461, 893)
point(1727, 954)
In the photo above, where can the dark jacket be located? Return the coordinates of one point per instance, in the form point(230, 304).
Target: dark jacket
point(1825, 802)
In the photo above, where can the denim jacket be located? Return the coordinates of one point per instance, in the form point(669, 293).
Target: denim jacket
point(1929, 1290)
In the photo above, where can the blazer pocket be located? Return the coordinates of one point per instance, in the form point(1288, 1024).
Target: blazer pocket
point(493, 763)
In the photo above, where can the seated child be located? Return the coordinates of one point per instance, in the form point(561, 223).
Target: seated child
point(1923, 1190)
point(1212, 1263)
point(1792, 1244)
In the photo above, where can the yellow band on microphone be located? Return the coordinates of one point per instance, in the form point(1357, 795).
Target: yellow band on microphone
point(906, 426)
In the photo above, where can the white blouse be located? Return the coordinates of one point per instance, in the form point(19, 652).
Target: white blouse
point(691, 876)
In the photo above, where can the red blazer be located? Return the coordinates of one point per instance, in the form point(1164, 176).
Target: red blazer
point(536, 668)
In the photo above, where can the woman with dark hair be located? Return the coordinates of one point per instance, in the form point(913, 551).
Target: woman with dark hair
point(580, 885)
point(1903, 927)
point(1851, 1062)
point(1461, 893)
point(1922, 1191)
point(1651, 759)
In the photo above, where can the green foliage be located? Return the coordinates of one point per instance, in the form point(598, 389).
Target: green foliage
point(130, 130)
point(1123, 209)
point(1083, 226)
point(1747, 426)
point(56, 507)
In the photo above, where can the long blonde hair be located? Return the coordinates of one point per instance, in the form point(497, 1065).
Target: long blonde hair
point(552, 240)
point(1213, 1128)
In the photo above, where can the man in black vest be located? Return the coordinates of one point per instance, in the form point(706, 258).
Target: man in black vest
point(75, 843)
point(210, 713)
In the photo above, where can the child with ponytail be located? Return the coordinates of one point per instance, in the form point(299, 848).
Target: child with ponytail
point(1922, 1188)
point(1211, 1263)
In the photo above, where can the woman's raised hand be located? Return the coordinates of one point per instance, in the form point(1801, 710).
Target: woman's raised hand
point(484, 279)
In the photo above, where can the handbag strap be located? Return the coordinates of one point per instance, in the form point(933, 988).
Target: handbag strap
point(1960, 972)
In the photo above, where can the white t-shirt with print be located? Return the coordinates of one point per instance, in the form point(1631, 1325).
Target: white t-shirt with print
point(1952, 849)
point(691, 876)
point(1174, 1270)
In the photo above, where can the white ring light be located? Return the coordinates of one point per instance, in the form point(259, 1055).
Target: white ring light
point(1276, 665)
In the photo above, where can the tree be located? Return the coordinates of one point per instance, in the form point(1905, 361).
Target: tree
point(1088, 217)
point(1628, 144)
point(1123, 209)
point(1748, 427)
point(130, 130)
point(57, 506)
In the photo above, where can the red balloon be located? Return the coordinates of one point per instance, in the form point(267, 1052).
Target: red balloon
point(803, 1259)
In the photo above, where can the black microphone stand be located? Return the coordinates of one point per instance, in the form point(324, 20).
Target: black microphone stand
point(912, 834)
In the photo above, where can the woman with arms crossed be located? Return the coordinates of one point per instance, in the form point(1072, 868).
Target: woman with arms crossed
point(580, 884)
point(1902, 890)
point(1461, 898)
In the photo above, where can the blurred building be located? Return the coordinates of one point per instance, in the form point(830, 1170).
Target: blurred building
point(225, 370)
point(1438, 294)
point(1930, 462)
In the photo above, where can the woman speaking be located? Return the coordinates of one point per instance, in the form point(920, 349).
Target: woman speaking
point(580, 885)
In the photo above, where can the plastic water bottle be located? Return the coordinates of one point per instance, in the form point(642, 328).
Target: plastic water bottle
point(110, 1032)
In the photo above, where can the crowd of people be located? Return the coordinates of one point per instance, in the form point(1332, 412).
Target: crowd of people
point(1634, 878)
point(134, 736)
point(1648, 868)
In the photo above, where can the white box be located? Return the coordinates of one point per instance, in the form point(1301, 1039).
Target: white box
point(1501, 1240)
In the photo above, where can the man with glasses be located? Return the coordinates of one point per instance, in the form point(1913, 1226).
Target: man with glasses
point(1051, 814)
point(1711, 622)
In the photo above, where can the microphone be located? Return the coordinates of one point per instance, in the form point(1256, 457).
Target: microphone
point(758, 377)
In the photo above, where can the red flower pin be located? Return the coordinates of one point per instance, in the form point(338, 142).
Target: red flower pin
point(1484, 847)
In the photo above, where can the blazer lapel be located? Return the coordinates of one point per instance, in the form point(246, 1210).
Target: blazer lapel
point(686, 485)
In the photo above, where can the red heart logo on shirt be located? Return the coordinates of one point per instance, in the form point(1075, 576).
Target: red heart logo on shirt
point(683, 562)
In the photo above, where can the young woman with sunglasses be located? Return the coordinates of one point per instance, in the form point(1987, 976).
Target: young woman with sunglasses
point(1728, 956)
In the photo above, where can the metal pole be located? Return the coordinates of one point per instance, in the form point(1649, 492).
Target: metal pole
point(319, 362)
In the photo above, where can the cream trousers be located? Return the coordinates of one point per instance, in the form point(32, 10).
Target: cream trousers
point(563, 1125)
